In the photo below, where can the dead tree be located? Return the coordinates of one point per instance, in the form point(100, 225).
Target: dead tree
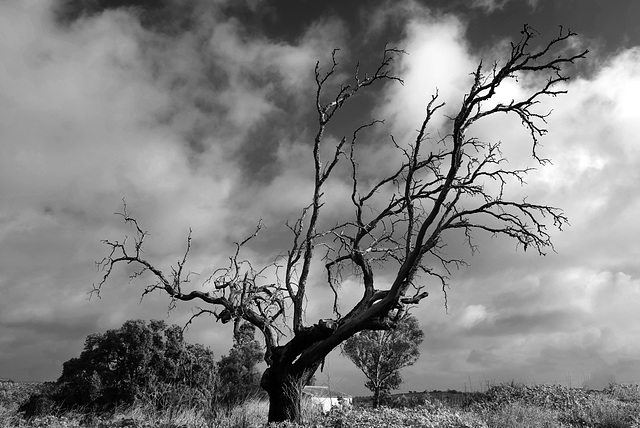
point(439, 186)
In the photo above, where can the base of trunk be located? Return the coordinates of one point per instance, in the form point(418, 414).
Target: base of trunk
point(285, 406)
point(285, 393)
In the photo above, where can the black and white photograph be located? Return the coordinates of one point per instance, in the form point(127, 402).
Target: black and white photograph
point(381, 213)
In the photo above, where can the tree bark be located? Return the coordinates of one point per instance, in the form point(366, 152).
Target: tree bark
point(283, 383)
point(285, 391)
point(376, 398)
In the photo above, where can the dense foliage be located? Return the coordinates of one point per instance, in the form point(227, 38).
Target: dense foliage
point(136, 361)
point(238, 377)
point(380, 355)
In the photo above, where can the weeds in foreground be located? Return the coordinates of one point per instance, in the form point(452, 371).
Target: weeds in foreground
point(519, 415)
point(605, 412)
point(502, 406)
point(624, 393)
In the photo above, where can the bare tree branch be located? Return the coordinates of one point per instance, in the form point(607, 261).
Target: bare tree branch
point(394, 239)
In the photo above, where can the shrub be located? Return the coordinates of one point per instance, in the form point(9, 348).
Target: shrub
point(238, 377)
point(129, 364)
point(552, 397)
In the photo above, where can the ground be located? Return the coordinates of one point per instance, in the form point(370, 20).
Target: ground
point(499, 406)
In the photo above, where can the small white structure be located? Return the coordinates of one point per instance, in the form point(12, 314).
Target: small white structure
point(326, 397)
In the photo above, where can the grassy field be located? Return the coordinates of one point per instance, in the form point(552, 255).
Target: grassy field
point(501, 406)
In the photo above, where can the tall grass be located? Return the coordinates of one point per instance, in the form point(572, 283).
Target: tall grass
point(504, 406)
point(518, 415)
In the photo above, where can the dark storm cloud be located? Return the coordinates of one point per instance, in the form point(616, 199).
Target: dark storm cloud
point(524, 324)
point(61, 327)
point(288, 20)
point(163, 16)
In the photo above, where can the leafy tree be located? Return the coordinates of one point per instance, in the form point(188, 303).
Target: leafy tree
point(125, 364)
point(238, 377)
point(394, 233)
point(381, 354)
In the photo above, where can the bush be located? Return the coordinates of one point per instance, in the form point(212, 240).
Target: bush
point(238, 378)
point(551, 397)
point(130, 364)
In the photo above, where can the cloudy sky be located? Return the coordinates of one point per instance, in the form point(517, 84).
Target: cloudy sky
point(200, 115)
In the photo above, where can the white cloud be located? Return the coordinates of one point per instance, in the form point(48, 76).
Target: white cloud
point(438, 60)
point(473, 315)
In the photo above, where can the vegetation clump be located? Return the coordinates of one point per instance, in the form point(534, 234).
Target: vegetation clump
point(140, 361)
point(552, 397)
point(238, 377)
point(519, 405)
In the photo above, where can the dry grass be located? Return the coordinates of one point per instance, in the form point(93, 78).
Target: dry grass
point(522, 416)
point(505, 406)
